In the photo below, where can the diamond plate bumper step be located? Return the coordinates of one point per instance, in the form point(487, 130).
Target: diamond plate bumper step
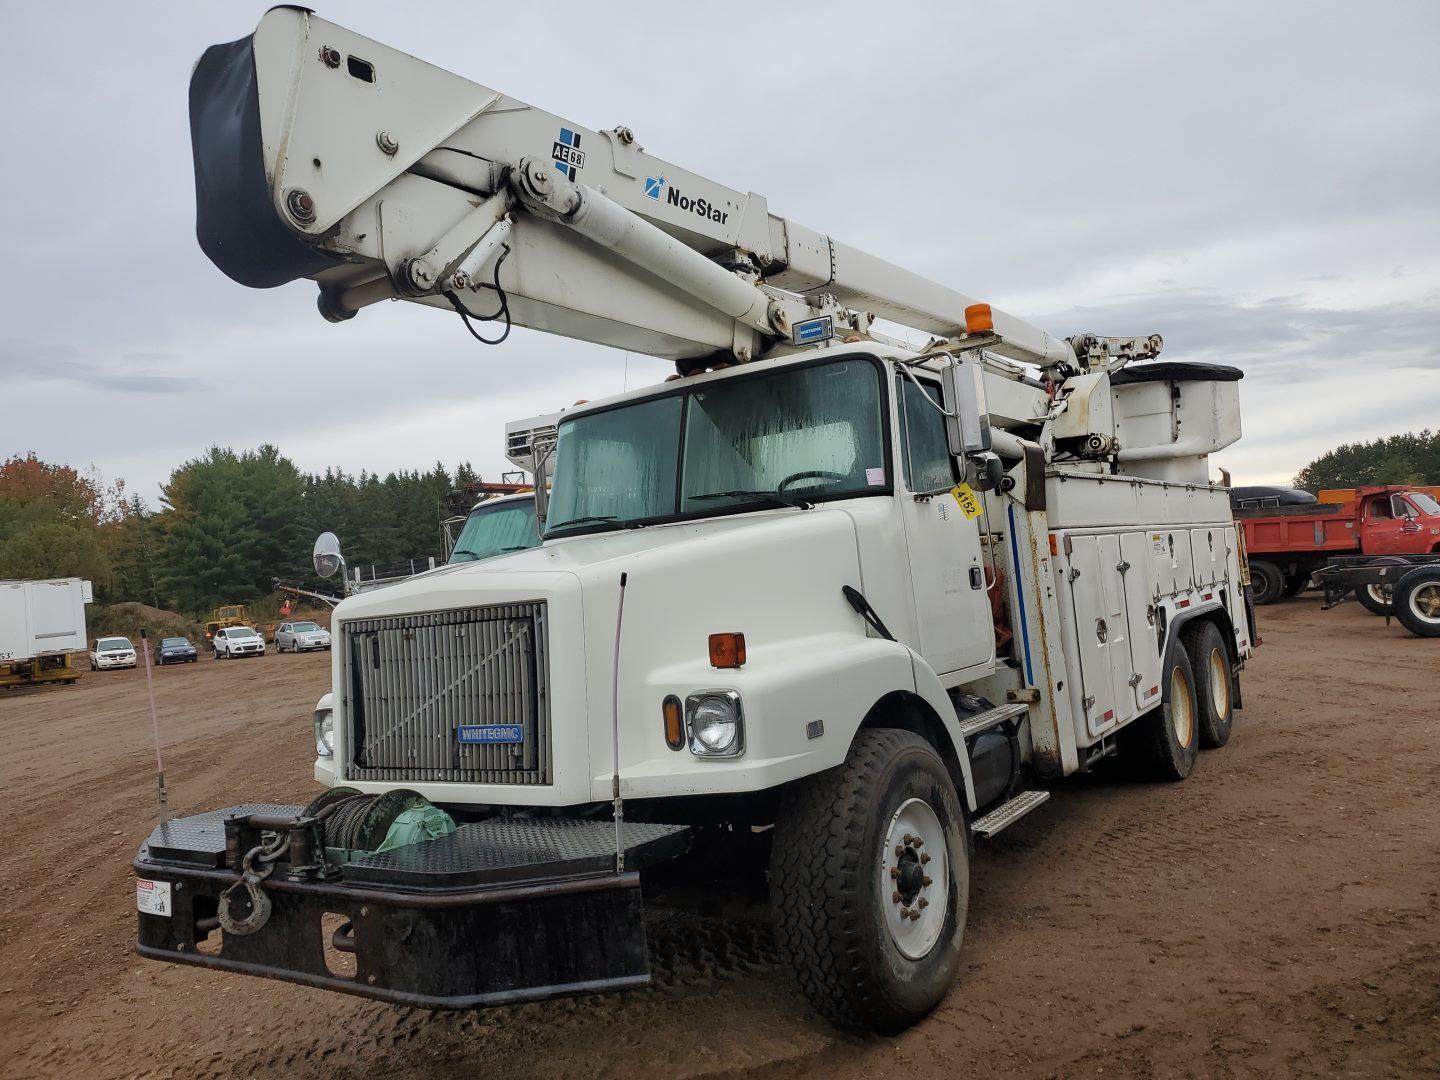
point(1008, 813)
point(500, 911)
point(990, 718)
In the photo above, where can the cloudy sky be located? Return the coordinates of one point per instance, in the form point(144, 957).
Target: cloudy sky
point(1258, 182)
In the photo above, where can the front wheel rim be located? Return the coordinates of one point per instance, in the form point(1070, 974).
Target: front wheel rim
point(1182, 715)
point(914, 879)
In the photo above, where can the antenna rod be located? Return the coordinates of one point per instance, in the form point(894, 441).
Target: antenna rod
point(619, 803)
point(164, 808)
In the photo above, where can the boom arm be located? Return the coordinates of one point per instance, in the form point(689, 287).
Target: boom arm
point(320, 153)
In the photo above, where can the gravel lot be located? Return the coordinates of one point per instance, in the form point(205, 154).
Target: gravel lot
point(1278, 913)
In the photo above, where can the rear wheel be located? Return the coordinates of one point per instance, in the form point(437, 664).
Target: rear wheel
point(1168, 739)
point(1266, 582)
point(1417, 601)
point(1376, 599)
point(1214, 684)
point(869, 882)
point(1294, 585)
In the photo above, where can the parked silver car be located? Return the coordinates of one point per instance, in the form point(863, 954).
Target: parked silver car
point(112, 652)
point(301, 636)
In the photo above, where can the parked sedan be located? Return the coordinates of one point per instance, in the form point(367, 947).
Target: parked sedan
point(236, 641)
point(112, 652)
point(176, 650)
point(301, 637)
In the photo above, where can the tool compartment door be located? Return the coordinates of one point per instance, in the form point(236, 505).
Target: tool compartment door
point(1144, 648)
point(1170, 567)
point(1207, 556)
point(1091, 620)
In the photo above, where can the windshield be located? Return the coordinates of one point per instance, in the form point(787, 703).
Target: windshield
point(240, 632)
point(790, 436)
point(495, 528)
point(110, 644)
point(303, 627)
point(1423, 502)
point(174, 643)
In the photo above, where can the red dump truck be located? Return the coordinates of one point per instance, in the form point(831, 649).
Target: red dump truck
point(1289, 541)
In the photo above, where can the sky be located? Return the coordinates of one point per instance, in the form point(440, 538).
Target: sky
point(1260, 183)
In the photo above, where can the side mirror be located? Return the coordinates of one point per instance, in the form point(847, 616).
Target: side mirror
point(967, 422)
point(967, 425)
point(327, 558)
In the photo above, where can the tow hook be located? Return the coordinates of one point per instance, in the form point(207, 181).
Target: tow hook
point(253, 875)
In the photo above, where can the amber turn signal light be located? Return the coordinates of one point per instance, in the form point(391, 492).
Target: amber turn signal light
point(727, 650)
point(674, 722)
point(978, 319)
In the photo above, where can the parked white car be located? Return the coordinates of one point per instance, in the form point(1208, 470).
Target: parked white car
point(112, 652)
point(236, 641)
point(301, 636)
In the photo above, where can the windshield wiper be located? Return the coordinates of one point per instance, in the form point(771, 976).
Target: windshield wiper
point(589, 519)
point(775, 498)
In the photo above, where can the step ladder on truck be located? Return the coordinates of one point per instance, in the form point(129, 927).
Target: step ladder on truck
point(848, 603)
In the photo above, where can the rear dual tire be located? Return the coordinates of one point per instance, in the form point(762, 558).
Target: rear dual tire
point(870, 881)
point(1166, 742)
point(1214, 684)
point(1267, 583)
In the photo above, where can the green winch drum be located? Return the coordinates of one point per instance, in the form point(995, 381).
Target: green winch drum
point(356, 824)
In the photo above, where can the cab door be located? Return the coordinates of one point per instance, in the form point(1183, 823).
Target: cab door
point(947, 573)
point(1390, 526)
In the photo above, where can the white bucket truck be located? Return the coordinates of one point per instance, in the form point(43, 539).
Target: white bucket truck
point(846, 603)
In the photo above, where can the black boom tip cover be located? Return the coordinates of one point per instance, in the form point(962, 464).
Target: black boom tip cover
point(235, 219)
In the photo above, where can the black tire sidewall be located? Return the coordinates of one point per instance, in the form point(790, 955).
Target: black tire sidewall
point(1214, 729)
point(1267, 584)
point(1176, 761)
point(1404, 590)
point(915, 985)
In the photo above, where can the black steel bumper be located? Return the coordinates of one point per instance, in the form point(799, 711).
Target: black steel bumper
point(502, 911)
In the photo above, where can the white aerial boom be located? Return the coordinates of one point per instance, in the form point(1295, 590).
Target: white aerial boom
point(320, 153)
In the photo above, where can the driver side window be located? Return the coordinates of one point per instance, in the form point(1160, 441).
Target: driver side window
point(925, 453)
point(1401, 508)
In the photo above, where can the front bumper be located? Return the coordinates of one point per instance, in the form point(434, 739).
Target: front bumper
point(105, 663)
point(499, 912)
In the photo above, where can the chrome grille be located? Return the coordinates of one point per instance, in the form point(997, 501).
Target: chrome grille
point(413, 680)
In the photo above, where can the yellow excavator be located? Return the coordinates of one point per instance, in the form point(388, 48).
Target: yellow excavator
point(228, 615)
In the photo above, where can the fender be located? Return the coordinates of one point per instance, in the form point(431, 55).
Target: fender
point(836, 681)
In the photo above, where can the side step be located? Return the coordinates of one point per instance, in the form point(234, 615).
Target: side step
point(988, 719)
point(1008, 813)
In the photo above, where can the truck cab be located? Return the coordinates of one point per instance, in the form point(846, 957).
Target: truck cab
point(1399, 522)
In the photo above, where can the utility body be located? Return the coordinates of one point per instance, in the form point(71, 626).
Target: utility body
point(837, 603)
point(1286, 544)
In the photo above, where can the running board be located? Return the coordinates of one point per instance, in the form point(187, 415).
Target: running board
point(990, 718)
point(1009, 813)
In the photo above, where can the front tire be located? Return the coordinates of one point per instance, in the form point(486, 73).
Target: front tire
point(870, 882)
point(1214, 684)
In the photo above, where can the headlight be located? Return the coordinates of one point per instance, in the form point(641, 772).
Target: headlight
point(716, 723)
point(325, 732)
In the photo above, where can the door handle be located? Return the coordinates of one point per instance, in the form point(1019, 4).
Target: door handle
point(977, 578)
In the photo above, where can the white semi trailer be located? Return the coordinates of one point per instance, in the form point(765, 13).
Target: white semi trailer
point(42, 627)
point(843, 603)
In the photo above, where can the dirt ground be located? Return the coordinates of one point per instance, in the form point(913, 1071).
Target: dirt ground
point(1277, 913)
